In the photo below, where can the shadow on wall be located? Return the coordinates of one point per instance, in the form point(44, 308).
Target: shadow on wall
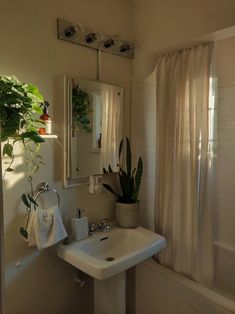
point(33, 278)
point(37, 281)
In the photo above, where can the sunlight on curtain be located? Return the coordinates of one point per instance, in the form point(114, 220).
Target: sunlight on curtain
point(111, 126)
point(183, 189)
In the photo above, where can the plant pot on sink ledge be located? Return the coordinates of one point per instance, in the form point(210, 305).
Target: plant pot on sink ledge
point(127, 203)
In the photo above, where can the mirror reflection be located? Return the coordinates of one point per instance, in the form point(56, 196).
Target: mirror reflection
point(95, 127)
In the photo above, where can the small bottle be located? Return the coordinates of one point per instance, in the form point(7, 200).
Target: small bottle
point(46, 128)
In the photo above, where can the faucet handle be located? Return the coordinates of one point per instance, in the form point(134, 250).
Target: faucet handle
point(104, 221)
point(105, 224)
point(92, 228)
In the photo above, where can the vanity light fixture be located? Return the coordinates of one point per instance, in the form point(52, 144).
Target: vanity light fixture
point(91, 37)
point(70, 31)
point(109, 43)
point(125, 48)
point(84, 36)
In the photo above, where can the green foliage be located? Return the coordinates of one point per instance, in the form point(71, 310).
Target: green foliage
point(28, 201)
point(19, 110)
point(81, 109)
point(129, 179)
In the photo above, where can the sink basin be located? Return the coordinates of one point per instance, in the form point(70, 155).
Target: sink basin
point(108, 253)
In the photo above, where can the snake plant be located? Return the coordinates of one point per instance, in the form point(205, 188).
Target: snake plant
point(130, 180)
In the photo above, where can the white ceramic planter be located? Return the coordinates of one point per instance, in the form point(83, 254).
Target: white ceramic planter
point(127, 215)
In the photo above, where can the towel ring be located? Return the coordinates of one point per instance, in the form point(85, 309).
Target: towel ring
point(44, 187)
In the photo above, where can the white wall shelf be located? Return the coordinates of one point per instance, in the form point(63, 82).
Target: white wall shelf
point(49, 136)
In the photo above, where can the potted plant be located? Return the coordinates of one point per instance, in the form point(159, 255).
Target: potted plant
point(19, 111)
point(20, 108)
point(127, 203)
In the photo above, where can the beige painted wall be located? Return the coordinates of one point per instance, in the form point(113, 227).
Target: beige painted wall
point(161, 25)
point(38, 282)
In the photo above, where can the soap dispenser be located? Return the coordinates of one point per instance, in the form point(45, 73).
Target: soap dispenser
point(79, 225)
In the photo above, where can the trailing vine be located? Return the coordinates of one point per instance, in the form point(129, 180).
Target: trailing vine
point(81, 109)
point(19, 110)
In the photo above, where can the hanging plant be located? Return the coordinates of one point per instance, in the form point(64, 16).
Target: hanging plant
point(81, 109)
point(19, 123)
point(19, 110)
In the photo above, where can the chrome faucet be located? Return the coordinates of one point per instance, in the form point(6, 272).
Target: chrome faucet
point(104, 225)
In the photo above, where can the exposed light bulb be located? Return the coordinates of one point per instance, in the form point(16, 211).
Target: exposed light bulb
point(125, 48)
point(109, 43)
point(91, 37)
point(70, 31)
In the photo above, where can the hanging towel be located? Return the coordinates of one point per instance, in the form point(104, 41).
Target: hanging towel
point(45, 227)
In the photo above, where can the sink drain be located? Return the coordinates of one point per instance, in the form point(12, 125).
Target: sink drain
point(109, 259)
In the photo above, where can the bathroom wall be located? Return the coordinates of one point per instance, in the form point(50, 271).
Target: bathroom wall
point(161, 25)
point(37, 281)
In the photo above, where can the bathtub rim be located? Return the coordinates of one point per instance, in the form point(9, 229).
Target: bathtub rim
point(212, 296)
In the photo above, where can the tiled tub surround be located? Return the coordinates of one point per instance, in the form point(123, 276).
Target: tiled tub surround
point(224, 195)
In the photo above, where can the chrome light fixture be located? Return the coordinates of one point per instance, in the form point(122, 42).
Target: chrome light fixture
point(125, 48)
point(109, 43)
point(91, 37)
point(70, 31)
point(83, 36)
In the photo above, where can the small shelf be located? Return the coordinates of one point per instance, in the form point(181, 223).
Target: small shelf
point(49, 136)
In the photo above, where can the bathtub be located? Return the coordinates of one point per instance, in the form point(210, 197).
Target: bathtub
point(162, 291)
point(224, 278)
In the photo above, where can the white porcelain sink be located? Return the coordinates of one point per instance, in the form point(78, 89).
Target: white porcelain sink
point(108, 253)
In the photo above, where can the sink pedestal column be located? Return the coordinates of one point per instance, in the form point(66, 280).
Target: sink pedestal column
point(110, 295)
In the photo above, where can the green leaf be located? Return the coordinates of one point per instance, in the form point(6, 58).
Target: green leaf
point(108, 187)
point(25, 200)
point(37, 108)
point(125, 182)
point(138, 177)
point(8, 150)
point(120, 149)
point(128, 157)
point(9, 169)
point(32, 200)
point(110, 169)
point(28, 134)
point(37, 138)
point(24, 232)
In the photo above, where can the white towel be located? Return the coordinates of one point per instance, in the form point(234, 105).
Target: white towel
point(45, 227)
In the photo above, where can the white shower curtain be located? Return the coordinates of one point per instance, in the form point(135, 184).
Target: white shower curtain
point(111, 126)
point(183, 208)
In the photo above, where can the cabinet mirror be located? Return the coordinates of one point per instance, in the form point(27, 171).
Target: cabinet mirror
point(93, 118)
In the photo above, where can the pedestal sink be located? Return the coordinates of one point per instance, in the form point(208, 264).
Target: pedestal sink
point(106, 256)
